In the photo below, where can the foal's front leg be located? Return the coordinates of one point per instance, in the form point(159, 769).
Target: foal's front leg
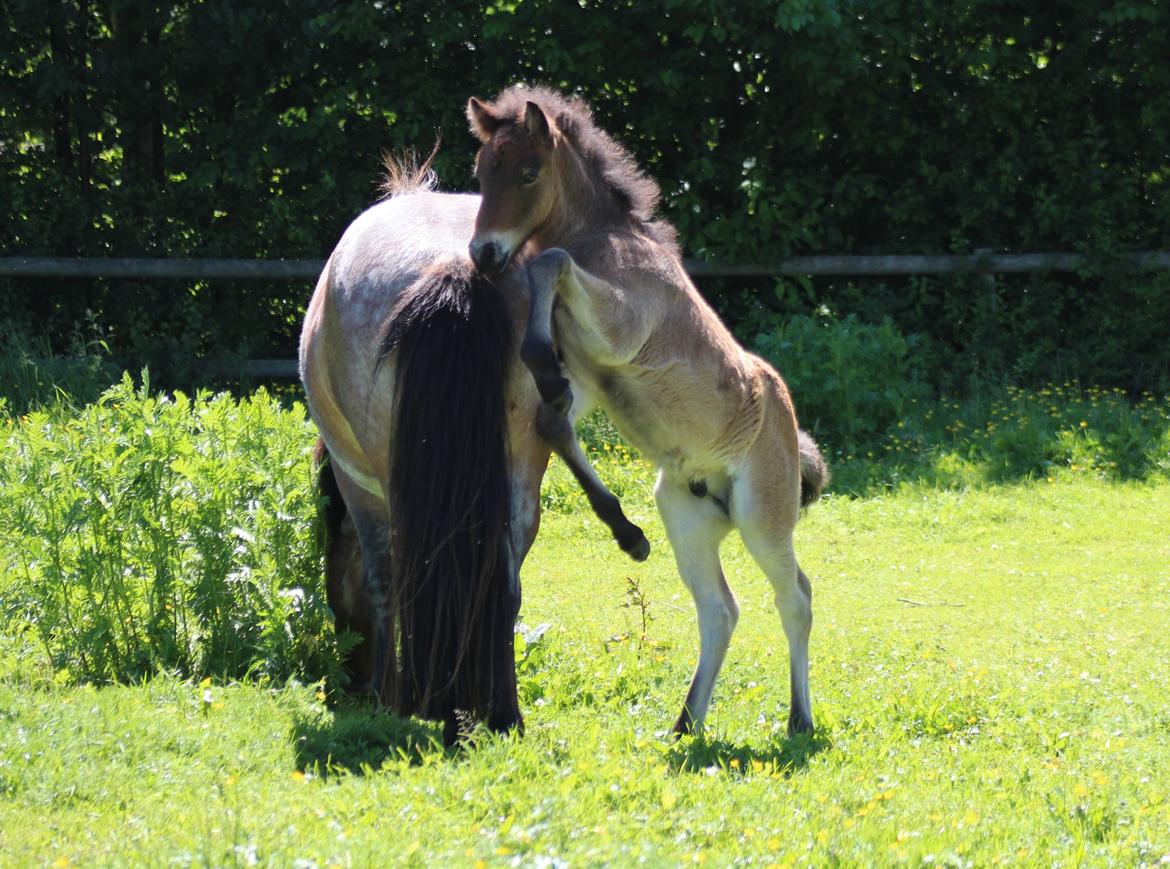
point(557, 432)
point(552, 421)
point(538, 351)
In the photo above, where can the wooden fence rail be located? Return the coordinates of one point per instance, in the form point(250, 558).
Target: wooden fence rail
point(981, 262)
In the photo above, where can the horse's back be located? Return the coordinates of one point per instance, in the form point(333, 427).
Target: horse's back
point(380, 254)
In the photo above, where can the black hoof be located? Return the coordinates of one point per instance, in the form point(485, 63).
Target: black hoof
point(639, 550)
point(685, 725)
point(507, 724)
point(451, 732)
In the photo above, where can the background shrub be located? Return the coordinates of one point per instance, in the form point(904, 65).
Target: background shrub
point(851, 381)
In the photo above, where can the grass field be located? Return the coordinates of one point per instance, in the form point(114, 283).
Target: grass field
point(989, 680)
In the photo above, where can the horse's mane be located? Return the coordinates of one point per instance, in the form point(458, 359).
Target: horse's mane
point(404, 173)
point(634, 192)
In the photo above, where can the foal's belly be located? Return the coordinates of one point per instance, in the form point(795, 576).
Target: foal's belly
point(672, 434)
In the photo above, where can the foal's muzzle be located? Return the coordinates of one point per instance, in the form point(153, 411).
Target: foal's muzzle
point(488, 257)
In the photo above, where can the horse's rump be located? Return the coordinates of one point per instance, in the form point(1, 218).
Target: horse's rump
point(452, 594)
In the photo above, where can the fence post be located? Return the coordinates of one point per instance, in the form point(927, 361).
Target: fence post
point(987, 278)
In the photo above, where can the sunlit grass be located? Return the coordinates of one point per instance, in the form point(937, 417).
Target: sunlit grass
point(989, 663)
point(988, 675)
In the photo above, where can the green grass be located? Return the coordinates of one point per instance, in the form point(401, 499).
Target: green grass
point(990, 650)
point(989, 678)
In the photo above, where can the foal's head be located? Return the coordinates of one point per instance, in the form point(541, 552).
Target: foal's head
point(519, 189)
point(543, 165)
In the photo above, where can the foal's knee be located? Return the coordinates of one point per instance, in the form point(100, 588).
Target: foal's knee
point(549, 266)
point(554, 428)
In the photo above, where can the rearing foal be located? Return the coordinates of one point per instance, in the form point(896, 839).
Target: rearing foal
point(635, 337)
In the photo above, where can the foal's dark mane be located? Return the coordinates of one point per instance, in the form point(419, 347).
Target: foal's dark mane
point(634, 192)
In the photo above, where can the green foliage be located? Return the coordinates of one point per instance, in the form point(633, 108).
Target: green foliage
point(33, 375)
point(852, 380)
point(149, 533)
point(1013, 434)
point(774, 127)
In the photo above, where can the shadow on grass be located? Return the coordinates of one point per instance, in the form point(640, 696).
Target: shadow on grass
point(359, 738)
point(779, 755)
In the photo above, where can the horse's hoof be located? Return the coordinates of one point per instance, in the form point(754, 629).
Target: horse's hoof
point(640, 551)
point(685, 725)
point(451, 732)
point(507, 724)
point(799, 722)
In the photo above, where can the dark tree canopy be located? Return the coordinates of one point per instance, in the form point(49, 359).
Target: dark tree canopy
point(229, 128)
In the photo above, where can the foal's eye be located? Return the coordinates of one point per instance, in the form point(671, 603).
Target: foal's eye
point(529, 176)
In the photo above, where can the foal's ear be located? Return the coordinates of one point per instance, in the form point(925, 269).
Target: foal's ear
point(483, 119)
point(537, 123)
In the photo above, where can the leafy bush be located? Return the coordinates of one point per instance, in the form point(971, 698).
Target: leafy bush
point(850, 381)
point(148, 533)
point(1015, 434)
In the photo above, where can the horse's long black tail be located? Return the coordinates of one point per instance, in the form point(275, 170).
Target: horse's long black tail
point(453, 595)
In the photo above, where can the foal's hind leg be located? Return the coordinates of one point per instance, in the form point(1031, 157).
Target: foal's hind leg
point(557, 432)
point(695, 527)
point(765, 520)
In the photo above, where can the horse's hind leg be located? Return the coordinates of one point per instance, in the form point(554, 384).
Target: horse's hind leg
point(766, 520)
point(505, 703)
point(695, 527)
point(557, 432)
point(344, 584)
point(370, 521)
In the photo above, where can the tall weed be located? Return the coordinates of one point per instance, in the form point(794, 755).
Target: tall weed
point(33, 375)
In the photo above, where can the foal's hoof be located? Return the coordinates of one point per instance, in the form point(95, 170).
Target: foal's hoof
point(629, 536)
point(640, 550)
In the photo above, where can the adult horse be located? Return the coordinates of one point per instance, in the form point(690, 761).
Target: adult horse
point(636, 337)
point(435, 455)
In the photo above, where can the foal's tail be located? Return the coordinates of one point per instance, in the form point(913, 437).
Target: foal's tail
point(453, 595)
point(814, 473)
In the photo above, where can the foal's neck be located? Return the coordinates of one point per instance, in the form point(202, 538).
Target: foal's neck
point(585, 204)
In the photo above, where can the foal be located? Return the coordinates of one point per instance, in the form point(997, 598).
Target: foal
point(636, 338)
